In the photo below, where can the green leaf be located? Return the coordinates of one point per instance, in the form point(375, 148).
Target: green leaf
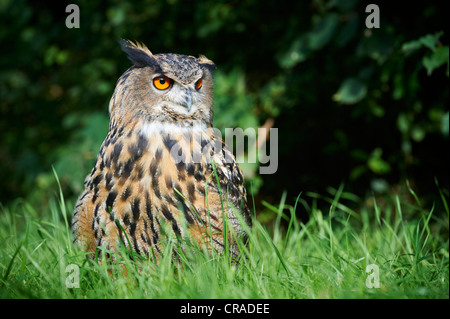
point(438, 58)
point(352, 91)
point(404, 122)
point(323, 31)
point(298, 52)
point(320, 35)
point(418, 134)
point(429, 41)
point(376, 164)
point(357, 172)
point(411, 46)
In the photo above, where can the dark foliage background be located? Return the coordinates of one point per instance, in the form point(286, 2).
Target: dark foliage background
point(367, 107)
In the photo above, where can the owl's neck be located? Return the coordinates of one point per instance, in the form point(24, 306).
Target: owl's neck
point(152, 128)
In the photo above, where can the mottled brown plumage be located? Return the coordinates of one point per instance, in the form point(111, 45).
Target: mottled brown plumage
point(161, 163)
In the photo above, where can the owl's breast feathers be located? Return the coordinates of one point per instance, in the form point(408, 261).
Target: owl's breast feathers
point(150, 176)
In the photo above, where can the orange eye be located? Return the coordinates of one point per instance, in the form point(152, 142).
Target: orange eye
point(198, 85)
point(162, 82)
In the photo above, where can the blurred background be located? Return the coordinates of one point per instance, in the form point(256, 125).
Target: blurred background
point(364, 109)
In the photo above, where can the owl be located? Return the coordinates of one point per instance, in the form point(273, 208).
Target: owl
point(162, 169)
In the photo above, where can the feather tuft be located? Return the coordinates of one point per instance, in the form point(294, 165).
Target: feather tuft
point(138, 53)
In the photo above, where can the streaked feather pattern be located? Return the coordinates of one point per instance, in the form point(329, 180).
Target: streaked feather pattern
point(160, 165)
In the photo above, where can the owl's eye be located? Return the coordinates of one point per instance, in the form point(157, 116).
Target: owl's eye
point(162, 82)
point(198, 84)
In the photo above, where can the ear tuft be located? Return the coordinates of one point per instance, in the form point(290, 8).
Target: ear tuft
point(207, 63)
point(138, 53)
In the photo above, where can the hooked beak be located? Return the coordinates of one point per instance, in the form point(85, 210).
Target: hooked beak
point(188, 100)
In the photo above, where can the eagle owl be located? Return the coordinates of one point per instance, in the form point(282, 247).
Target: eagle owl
point(161, 167)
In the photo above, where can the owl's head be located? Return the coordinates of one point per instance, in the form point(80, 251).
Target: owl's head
point(167, 88)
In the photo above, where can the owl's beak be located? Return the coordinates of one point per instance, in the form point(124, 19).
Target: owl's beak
point(188, 100)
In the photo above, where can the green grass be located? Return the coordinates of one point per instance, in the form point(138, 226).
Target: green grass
point(324, 258)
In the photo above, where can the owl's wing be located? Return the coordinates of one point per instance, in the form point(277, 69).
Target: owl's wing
point(226, 178)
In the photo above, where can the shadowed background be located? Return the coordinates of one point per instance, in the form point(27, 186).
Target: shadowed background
point(364, 107)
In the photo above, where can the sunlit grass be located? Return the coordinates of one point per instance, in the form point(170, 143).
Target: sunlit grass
point(324, 258)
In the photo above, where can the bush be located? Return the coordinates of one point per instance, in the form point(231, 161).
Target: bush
point(364, 106)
